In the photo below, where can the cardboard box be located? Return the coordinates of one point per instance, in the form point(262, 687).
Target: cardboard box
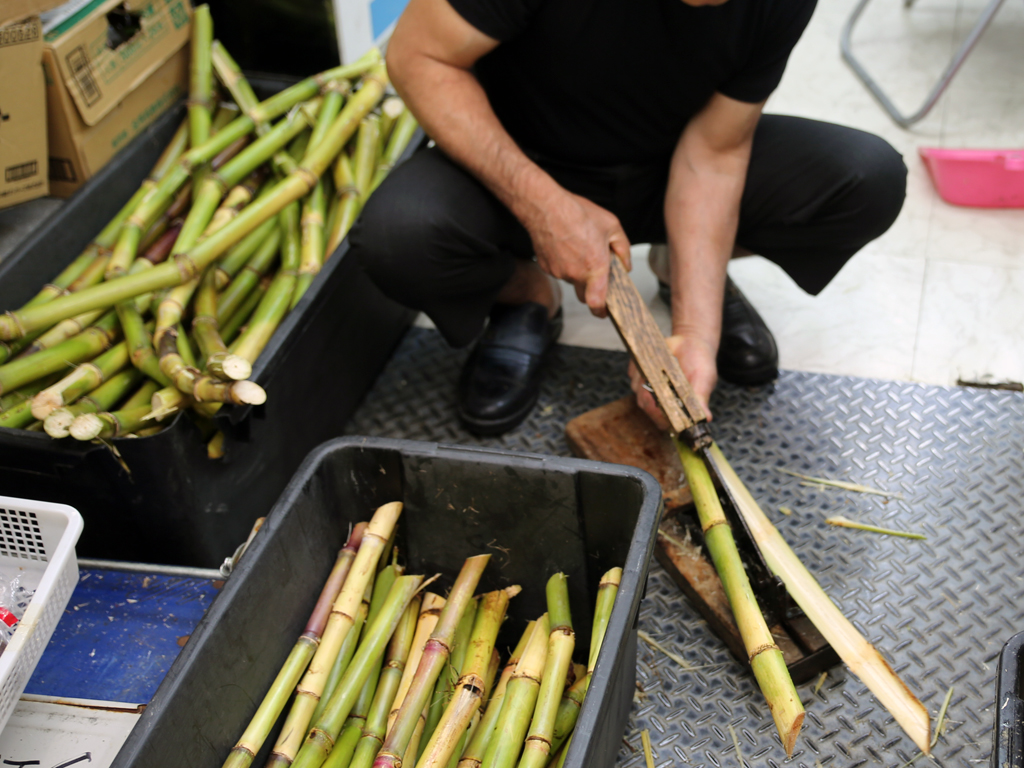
point(111, 70)
point(22, 113)
point(20, 10)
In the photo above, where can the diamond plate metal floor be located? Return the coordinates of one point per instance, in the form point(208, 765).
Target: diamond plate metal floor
point(939, 609)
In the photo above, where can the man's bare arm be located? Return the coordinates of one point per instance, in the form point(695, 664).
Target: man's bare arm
point(702, 206)
point(429, 58)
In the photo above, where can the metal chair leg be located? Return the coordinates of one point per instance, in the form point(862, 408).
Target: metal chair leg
point(961, 55)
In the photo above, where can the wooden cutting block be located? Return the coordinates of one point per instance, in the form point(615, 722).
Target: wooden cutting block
point(620, 433)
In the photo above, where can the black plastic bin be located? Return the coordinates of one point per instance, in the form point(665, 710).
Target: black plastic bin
point(173, 504)
point(1008, 736)
point(536, 514)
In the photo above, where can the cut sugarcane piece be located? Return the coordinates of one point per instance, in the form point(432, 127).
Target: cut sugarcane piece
point(109, 424)
point(339, 625)
point(765, 657)
point(243, 753)
point(863, 658)
point(435, 655)
point(85, 378)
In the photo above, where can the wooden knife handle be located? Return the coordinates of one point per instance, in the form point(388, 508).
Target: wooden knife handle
point(643, 338)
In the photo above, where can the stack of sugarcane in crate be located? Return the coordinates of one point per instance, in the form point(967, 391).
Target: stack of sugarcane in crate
point(388, 674)
point(174, 300)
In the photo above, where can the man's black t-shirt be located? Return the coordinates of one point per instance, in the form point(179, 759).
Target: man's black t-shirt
point(615, 81)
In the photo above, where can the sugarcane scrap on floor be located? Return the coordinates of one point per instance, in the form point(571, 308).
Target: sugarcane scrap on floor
point(386, 674)
point(176, 298)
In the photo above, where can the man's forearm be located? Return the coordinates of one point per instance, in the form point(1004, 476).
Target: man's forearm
point(464, 125)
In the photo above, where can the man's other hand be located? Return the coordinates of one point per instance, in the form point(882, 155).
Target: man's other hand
point(697, 359)
point(574, 240)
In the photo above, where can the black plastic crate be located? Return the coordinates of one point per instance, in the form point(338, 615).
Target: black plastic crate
point(1008, 735)
point(172, 504)
point(535, 514)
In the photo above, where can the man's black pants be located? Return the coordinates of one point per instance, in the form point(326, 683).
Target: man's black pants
point(434, 238)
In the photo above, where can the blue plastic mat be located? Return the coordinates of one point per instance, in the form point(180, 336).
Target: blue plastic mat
point(119, 635)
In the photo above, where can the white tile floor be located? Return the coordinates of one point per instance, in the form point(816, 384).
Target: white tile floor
point(941, 295)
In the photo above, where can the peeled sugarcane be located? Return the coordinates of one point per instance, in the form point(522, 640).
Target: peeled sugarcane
point(314, 208)
point(187, 266)
point(236, 323)
point(85, 378)
point(572, 702)
point(520, 697)
point(394, 666)
point(321, 738)
point(89, 343)
point(235, 294)
point(339, 625)
point(435, 656)
point(243, 753)
point(861, 656)
point(58, 422)
point(473, 754)
point(469, 691)
point(561, 642)
point(766, 660)
point(200, 96)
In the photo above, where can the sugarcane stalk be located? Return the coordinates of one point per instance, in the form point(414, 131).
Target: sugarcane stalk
point(444, 688)
point(27, 392)
point(238, 255)
point(108, 394)
point(219, 361)
point(314, 209)
point(240, 288)
point(518, 703)
point(234, 324)
point(86, 345)
point(563, 752)
point(339, 626)
point(62, 331)
point(109, 424)
point(381, 586)
point(862, 657)
point(349, 203)
point(607, 591)
point(231, 77)
point(468, 695)
point(435, 656)
point(765, 657)
point(321, 738)
point(364, 160)
point(174, 214)
point(401, 135)
point(244, 751)
point(430, 612)
point(237, 198)
point(473, 754)
point(140, 345)
point(215, 448)
point(200, 97)
point(18, 416)
point(334, 96)
point(390, 110)
point(198, 386)
point(85, 378)
point(168, 401)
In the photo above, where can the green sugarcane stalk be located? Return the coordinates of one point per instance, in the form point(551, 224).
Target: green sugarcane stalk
point(561, 642)
point(219, 361)
point(468, 695)
point(444, 689)
point(17, 417)
point(231, 77)
point(520, 697)
point(381, 586)
point(321, 738)
point(58, 422)
point(390, 110)
point(350, 202)
point(401, 135)
point(765, 657)
point(243, 753)
point(140, 345)
point(174, 213)
point(168, 401)
point(435, 656)
point(492, 672)
point(364, 160)
point(238, 255)
point(314, 209)
point(109, 424)
point(334, 97)
point(240, 317)
point(563, 753)
point(198, 386)
point(62, 331)
point(473, 754)
point(394, 665)
point(89, 343)
point(200, 97)
point(85, 378)
point(237, 198)
point(187, 266)
point(339, 626)
point(27, 392)
point(250, 276)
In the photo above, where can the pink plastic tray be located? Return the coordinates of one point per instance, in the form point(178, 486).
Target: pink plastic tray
point(981, 178)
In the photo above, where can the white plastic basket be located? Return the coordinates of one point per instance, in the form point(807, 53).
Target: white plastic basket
point(37, 541)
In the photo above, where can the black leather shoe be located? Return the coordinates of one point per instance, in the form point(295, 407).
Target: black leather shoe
point(501, 379)
point(747, 353)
